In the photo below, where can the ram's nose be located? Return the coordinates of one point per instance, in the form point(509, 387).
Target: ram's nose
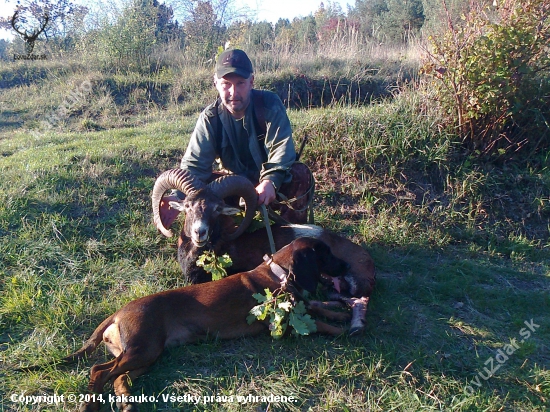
point(199, 235)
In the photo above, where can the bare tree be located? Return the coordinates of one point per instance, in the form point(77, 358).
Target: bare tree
point(226, 11)
point(30, 13)
point(205, 23)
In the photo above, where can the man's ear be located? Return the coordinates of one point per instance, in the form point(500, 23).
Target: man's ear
point(217, 84)
point(305, 269)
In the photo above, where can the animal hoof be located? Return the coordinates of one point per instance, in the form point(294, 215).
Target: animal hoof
point(355, 331)
point(127, 407)
point(89, 407)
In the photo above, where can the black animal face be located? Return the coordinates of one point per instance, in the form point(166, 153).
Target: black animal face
point(202, 210)
point(311, 258)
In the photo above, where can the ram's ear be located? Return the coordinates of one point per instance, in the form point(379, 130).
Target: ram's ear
point(177, 205)
point(230, 211)
point(305, 269)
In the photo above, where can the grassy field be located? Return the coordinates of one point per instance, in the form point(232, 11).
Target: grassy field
point(459, 319)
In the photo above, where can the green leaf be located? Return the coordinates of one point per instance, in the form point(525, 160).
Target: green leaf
point(259, 297)
point(278, 316)
point(225, 260)
point(277, 327)
point(302, 324)
point(214, 264)
point(286, 306)
point(282, 312)
point(300, 308)
point(260, 312)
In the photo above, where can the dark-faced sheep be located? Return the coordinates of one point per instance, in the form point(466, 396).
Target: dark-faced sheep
point(209, 226)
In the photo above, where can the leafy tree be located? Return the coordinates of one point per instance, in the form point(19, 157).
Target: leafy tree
point(249, 35)
point(298, 36)
point(392, 20)
point(306, 31)
point(202, 30)
point(261, 36)
point(127, 42)
point(325, 13)
point(403, 18)
point(332, 25)
point(167, 28)
point(367, 13)
point(4, 49)
point(281, 25)
point(436, 15)
point(234, 34)
point(60, 13)
point(205, 24)
point(285, 36)
point(370, 9)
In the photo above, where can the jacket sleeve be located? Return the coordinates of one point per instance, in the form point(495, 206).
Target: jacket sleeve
point(201, 150)
point(281, 153)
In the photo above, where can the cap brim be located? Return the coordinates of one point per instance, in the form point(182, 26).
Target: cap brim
point(228, 70)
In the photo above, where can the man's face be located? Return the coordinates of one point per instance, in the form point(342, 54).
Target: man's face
point(235, 93)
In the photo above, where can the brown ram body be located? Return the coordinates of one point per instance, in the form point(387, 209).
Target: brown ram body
point(138, 333)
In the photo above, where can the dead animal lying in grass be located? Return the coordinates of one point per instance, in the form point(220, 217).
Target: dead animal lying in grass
point(209, 226)
point(138, 333)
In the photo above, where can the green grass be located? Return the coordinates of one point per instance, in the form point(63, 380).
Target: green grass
point(461, 251)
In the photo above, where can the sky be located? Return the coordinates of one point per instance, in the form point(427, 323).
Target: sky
point(271, 10)
point(268, 10)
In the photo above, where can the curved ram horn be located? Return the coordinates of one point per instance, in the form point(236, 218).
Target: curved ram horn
point(234, 185)
point(179, 179)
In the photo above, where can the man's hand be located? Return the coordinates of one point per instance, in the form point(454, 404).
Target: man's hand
point(266, 192)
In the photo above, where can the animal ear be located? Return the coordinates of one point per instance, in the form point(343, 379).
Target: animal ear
point(227, 210)
point(305, 269)
point(177, 205)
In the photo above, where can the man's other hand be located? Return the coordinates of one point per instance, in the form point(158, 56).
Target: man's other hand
point(266, 192)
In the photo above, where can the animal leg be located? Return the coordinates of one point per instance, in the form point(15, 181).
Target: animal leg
point(358, 314)
point(98, 379)
point(121, 387)
point(318, 308)
point(329, 304)
point(358, 311)
point(327, 329)
point(133, 360)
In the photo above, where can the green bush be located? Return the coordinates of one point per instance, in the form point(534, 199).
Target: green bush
point(127, 43)
point(493, 74)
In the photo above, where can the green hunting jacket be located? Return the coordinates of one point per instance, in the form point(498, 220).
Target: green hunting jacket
point(270, 158)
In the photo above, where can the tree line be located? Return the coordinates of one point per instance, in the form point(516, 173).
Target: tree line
point(198, 27)
point(486, 63)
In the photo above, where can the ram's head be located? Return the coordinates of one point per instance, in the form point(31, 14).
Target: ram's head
point(204, 203)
